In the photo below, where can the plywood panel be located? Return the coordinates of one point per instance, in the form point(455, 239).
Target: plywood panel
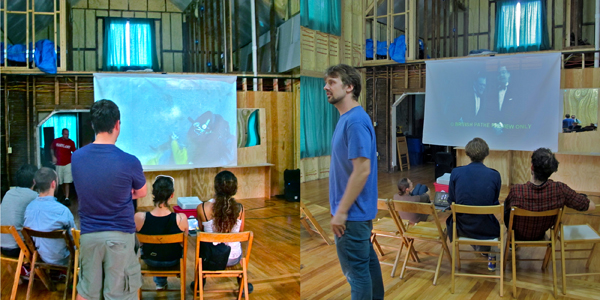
point(78, 28)
point(167, 62)
point(97, 4)
point(579, 142)
point(81, 4)
point(580, 78)
point(170, 7)
point(182, 186)
point(138, 5)
point(115, 13)
point(90, 61)
point(128, 14)
point(202, 182)
point(156, 5)
point(166, 31)
point(256, 154)
point(521, 167)
point(176, 32)
point(140, 14)
point(177, 62)
point(119, 4)
point(102, 13)
point(251, 181)
point(77, 60)
point(90, 28)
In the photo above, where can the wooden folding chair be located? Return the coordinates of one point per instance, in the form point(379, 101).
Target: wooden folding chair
point(457, 241)
point(15, 234)
point(422, 231)
point(550, 245)
point(28, 235)
point(306, 217)
point(402, 148)
point(387, 227)
point(76, 234)
point(576, 234)
point(234, 271)
point(175, 271)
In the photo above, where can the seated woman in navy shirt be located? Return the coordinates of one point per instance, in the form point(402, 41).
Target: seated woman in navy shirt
point(475, 184)
point(161, 221)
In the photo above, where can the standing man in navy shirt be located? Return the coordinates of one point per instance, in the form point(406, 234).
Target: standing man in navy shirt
point(353, 184)
point(106, 180)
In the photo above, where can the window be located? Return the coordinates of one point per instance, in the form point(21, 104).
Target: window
point(129, 44)
point(521, 26)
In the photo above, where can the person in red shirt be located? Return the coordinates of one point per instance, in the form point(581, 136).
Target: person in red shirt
point(61, 149)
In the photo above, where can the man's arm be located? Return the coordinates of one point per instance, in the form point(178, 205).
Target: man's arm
point(361, 168)
point(136, 194)
point(53, 156)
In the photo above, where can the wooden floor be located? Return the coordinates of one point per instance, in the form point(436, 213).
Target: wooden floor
point(322, 277)
point(274, 260)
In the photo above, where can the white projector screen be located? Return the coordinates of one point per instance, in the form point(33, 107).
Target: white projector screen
point(512, 101)
point(174, 121)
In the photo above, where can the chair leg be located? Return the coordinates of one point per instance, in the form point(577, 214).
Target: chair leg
point(564, 266)
point(75, 272)
point(241, 286)
point(397, 258)
point(245, 279)
point(453, 265)
point(32, 275)
point(376, 245)
point(182, 277)
point(458, 266)
point(514, 268)
point(589, 260)
point(410, 248)
point(67, 280)
point(506, 250)
point(200, 285)
point(439, 264)
point(13, 293)
point(501, 247)
point(553, 266)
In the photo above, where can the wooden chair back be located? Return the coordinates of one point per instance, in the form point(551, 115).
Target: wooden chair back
point(178, 271)
point(246, 236)
point(477, 210)
point(15, 234)
point(515, 211)
point(418, 208)
point(76, 234)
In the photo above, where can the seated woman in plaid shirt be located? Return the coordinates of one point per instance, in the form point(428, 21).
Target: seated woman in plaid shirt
point(541, 194)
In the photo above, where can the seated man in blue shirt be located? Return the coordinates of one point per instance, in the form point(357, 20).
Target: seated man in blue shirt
point(567, 123)
point(46, 214)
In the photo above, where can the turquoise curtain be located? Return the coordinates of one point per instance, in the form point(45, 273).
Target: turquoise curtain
point(317, 118)
point(532, 34)
point(142, 44)
point(324, 16)
point(60, 121)
point(115, 44)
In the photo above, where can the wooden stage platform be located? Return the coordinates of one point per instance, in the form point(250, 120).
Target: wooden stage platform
point(274, 261)
point(322, 278)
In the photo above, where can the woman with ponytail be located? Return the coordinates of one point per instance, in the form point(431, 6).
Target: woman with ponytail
point(223, 214)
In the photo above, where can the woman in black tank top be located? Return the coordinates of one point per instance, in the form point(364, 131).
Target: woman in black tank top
point(161, 221)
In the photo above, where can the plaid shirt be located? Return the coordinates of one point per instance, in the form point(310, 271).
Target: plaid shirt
point(548, 196)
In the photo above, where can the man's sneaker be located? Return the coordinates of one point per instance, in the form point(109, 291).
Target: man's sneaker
point(162, 288)
point(67, 202)
point(491, 263)
point(250, 288)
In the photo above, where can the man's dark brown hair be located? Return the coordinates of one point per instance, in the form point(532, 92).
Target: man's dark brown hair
point(348, 75)
point(544, 163)
point(477, 150)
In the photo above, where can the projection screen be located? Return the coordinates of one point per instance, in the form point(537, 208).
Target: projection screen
point(174, 121)
point(512, 101)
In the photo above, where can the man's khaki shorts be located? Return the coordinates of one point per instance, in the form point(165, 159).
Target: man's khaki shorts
point(109, 266)
point(64, 174)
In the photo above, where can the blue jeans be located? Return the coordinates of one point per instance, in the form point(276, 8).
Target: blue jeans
point(419, 189)
point(359, 261)
point(160, 281)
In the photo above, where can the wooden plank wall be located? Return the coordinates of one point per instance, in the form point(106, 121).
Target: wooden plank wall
point(87, 30)
point(280, 130)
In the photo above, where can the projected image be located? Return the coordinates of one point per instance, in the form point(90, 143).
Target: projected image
point(512, 101)
point(174, 120)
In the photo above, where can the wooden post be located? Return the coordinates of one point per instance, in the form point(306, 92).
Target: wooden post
point(56, 91)
point(76, 90)
point(6, 123)
point(273, 31)
point(426, 30)
point(28, 122)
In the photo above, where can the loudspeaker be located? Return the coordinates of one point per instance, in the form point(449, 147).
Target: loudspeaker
point(443, 163)
point(292, 185)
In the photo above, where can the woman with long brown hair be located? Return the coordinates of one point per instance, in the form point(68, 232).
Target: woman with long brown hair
point(223, 214)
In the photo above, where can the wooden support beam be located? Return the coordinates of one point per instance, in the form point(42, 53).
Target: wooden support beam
point(28, 123)
point(76, 90)
point(425, 30)
point(6, 124)
point(273, 42)
point(56, 91)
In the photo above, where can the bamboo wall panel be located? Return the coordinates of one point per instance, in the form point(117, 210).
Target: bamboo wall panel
point(280, 139)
